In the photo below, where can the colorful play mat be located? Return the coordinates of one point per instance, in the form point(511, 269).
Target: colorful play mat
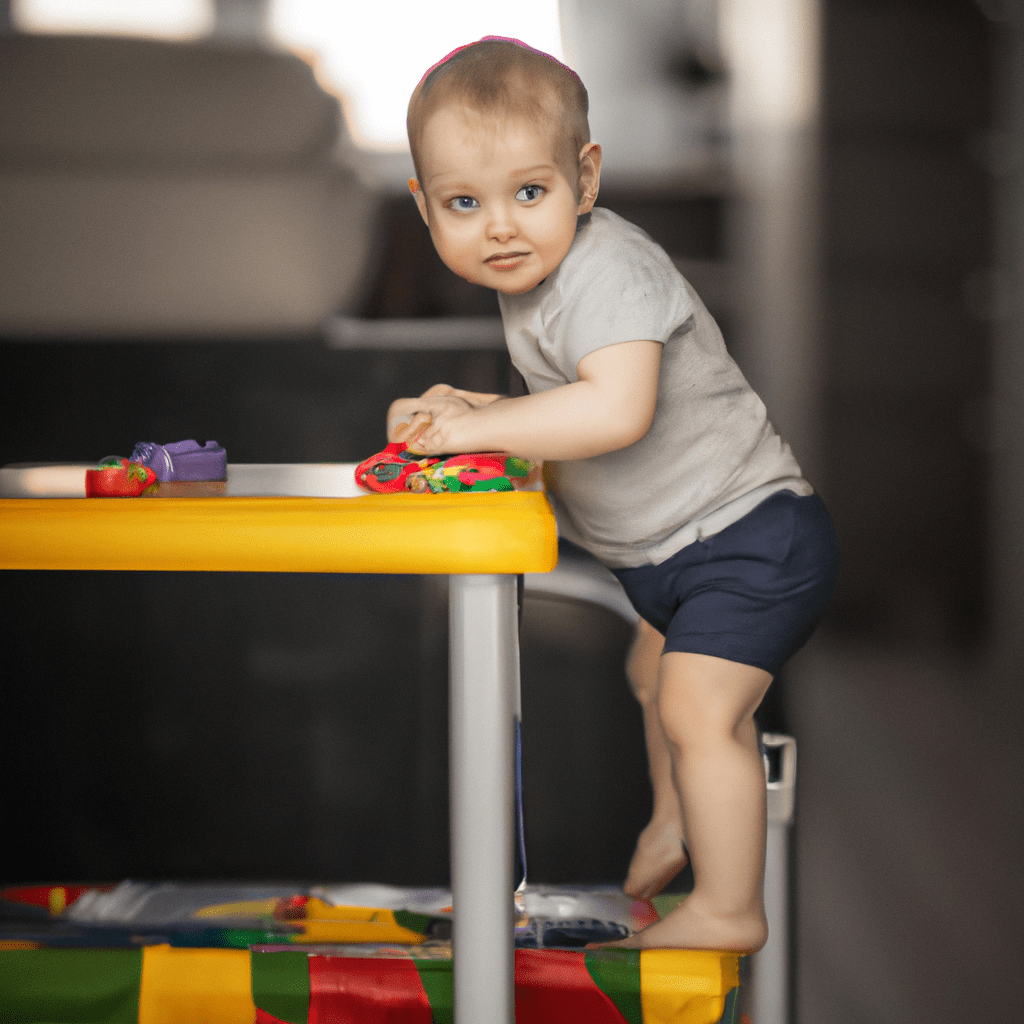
point(167, 953)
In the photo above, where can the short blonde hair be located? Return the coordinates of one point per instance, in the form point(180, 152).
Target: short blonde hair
point(508, 78)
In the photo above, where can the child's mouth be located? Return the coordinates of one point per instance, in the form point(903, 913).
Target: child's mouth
point(506, 260)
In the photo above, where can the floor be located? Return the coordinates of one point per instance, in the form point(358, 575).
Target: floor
point(908, 841)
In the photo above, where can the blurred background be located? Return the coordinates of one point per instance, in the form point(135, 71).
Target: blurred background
point(205, 232)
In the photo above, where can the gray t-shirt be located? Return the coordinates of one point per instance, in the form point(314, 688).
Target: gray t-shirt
point(710, 455)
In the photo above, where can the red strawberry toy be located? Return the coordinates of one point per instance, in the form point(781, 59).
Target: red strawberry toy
point(119, 478)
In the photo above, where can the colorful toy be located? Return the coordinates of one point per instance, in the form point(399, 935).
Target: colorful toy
point(119, 478)
point(397, 469)
point(183, 460)
point(134, 913)
point(179, 469)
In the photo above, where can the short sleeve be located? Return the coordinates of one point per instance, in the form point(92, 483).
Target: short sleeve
point(611, 291)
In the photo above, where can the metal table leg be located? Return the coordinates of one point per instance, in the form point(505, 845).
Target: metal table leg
point(769, 969)
point(484, 679)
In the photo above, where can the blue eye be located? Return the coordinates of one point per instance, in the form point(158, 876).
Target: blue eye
point(463, 203)
point(528, 193)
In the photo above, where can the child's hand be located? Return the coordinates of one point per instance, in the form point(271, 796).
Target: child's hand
point(405, 424)
point(430, 425)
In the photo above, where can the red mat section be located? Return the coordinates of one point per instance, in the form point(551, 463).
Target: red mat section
point(368, 991)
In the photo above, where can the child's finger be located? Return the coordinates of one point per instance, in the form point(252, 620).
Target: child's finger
point(417, 446)
point(404, 429)
point(421, 440)
point(399, 430)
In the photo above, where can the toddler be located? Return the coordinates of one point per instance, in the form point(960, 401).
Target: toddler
point(659, 456)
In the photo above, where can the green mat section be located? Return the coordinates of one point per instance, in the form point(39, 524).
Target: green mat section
point(616, 972)
point(70, 986)
point(436, 979)
point(280, 985)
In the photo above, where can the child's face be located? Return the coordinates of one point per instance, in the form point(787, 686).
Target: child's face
point(501, 211)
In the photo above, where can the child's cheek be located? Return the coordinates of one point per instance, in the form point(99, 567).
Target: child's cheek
point(454, 257)
point(457, 242)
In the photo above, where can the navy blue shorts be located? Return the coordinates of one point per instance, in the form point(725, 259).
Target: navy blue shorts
point(753, 593)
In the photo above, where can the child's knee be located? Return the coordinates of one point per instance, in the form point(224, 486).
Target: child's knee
point(707, 700)
point(704, 731)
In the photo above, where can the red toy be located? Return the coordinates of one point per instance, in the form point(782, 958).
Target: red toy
point(119, 478)
point(397, 469)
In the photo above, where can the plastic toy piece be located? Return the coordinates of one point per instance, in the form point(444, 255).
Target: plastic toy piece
point(321, 922)
point(397, 469)
point(484, 471)
point(54, 898)
point(119, 478)
point(387, 471)
point(574, 934)
point(242, 908)
point(308, 919)
point(183, 461)
point(183, 469)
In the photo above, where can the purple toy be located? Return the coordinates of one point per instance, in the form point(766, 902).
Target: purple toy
point(183, 460)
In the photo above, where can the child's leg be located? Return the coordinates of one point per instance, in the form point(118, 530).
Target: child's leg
point(660, 854)
point(707, 709)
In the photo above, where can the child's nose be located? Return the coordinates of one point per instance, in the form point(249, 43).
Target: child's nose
point(502, 224)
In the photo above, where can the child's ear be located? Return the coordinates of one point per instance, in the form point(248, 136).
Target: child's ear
point(589, 177)
point(421, 202)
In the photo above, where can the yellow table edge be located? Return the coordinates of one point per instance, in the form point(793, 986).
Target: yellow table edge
point(499, 533)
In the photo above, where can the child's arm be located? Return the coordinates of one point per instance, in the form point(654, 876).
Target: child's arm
point(610, 406)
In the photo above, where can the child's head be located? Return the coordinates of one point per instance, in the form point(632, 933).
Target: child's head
point(509, 80)
point(501, 146)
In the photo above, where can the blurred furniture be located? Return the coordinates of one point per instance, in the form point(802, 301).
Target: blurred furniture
point(156, 189)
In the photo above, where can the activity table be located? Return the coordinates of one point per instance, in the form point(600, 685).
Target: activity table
point(482, 542)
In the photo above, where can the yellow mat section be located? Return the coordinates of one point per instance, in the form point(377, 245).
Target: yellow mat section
point(212, 986)
point(686, 986)
point(502, 533)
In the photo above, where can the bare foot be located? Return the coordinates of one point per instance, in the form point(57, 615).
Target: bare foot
point(659, 856)
point(687, 928)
